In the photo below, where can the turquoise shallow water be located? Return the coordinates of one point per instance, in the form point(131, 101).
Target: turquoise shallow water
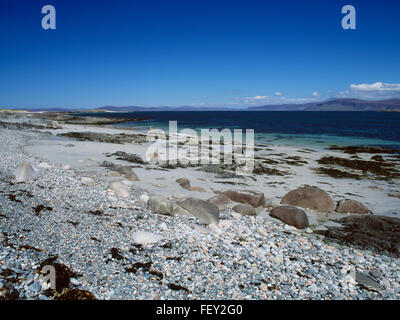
point(303, 129)
point(317, 140)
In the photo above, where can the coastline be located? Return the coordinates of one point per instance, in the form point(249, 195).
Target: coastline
point(72, 180)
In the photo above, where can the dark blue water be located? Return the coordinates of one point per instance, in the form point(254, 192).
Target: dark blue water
point(342, 128)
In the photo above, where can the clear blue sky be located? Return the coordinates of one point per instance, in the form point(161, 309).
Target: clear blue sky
point(152, 53)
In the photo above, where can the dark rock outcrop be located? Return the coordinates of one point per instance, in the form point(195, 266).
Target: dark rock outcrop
point(380, 170)
point(368, 232)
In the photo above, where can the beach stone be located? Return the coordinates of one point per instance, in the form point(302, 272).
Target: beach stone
point(309, 197)
point(351, 206)
point(159, 185)
point(144, 198)
point(74, 282)
point(143, 237)
point(184, 183)
point(291, 215)
point(253, 198)
point(35, 286)
point(131, 176)
point(24, 172)
point(120, 189)
point(44, 165)
point(160, 205)
point(376, 188)
point(220, 200)
point(66, 167)
point(87, 180)
point(113, 174)
point(244, 209)
point(205, 211)
point(122, 169)
point(394, 194)
point(367, 282)
point(179, 211)
point(197, 189)
point(377, 158)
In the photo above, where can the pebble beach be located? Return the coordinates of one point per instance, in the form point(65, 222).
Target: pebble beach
point(107, 246)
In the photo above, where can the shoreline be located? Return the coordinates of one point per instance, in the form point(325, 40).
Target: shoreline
point(84, 207)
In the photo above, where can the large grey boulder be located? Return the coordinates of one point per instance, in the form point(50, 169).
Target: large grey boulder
point(351, 206)
point(160, 205)
point(24, 172)
point(253, 198)
point(220, 200)
point(291, 215)
point(120, 189)
point(184, 183)
point(131, 176)
point(122, 169)
point(394, 194)
point(310, 198)
point(205, 211)
point(244, 209)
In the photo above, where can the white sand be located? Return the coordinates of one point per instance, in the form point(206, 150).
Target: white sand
point(87, 156)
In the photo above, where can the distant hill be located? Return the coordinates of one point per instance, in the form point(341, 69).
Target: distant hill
point(166, 108)
point(390, 105)
point(335, 105)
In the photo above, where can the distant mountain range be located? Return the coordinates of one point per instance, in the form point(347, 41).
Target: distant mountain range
point(329, 105)
point(335, 105)
point(166, 108)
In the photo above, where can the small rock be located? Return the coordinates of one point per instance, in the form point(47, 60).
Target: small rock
point(365, 281)
point(86, 180)
point(131, 176)
point(244, 209)
point(143, 237)
point(113, 174)
point(351, 206)
point(197, 189)
point(120, 189)
point(291, 216)
point(44, 165)
point(144, 198)
point(75, 282)
point(253, 198)
point(220, 201)
point(24, 172)
point(160, 205)
point(183, 182)
point(394, 194)
point(35, 287)
point(205, 211)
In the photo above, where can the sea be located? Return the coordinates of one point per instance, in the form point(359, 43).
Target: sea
point(291, 128)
